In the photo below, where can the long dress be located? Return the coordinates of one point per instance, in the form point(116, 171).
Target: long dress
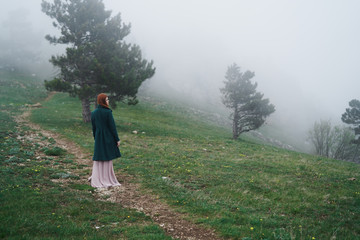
point(105, 148)
point(103, 175)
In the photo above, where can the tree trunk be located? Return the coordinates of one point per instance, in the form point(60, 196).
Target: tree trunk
point(86, 113)
point(235, 124)
point(356, 150)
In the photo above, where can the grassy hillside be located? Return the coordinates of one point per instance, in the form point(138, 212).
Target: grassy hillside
point(32, 206)
point(242, 189)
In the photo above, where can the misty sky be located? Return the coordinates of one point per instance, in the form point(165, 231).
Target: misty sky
point(305, 53)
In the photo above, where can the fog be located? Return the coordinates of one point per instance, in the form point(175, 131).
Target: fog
point(305, 54)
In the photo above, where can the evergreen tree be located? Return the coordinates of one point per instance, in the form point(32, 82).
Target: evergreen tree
point(352, 117)
point(97, 59)
point(249, 108)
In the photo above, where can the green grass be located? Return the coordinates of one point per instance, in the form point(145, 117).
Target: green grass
point(241, 189)
point(32, 206)
point(54, 151)
point(17, 89)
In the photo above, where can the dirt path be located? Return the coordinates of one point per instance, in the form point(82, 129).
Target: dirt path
point(128, 193)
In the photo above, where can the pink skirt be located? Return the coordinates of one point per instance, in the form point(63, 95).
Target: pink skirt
point(103, 175)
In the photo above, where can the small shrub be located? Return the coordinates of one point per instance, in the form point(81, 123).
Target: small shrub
point(62, 175)
point(15, 159)
point(55, 151)
point(14, 151)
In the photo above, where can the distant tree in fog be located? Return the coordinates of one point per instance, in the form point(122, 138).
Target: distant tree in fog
point(239, 94)
point(97, 59)
point(342, 148)
point(334, 142)
point(321, 136)
point(352, 117)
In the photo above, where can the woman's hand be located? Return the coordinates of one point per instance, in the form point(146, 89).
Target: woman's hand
point(118, 143)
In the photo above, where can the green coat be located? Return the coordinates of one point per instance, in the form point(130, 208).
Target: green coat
point(105, 135)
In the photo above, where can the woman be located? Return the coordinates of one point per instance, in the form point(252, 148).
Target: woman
point(106, 144)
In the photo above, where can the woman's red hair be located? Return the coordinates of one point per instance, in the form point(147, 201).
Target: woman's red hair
point(101, 100)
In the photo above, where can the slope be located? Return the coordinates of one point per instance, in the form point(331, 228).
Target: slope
point(241, 189)
point(43, 192)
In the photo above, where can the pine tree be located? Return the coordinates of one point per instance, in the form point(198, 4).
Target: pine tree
point(249, 108)
point(352, 117)
point(97, 59)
